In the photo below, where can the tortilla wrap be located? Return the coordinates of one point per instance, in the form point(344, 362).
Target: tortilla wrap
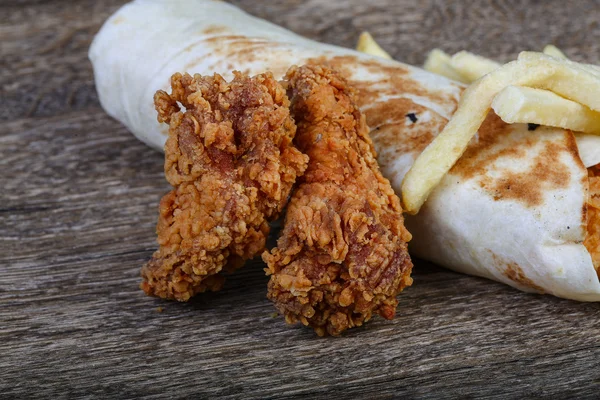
point(513, 209)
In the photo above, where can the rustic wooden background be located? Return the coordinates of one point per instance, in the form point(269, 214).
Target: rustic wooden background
point(78, 205)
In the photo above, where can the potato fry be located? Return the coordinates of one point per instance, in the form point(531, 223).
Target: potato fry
point(553, 51)
point(515, 104)
point(591, 68)
point(563, 77)
point(438, 62)
point(472, 66)
point(366, 44)
point(468, 67)
point(575, 81)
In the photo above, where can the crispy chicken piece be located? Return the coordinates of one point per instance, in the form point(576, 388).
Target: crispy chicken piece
point(230, 159)
point(592, 239)
point(342, 254)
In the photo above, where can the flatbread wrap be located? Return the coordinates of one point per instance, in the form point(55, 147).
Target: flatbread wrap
point(519, 207)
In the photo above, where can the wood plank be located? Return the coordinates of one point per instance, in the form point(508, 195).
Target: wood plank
point(78, 210)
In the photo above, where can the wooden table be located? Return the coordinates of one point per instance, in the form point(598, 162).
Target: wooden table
point(79, 204)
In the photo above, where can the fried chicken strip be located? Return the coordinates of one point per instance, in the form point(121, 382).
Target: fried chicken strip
point(231, 162)
point(342, 254)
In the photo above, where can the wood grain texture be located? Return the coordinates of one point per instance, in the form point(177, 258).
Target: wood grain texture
point(78, 209)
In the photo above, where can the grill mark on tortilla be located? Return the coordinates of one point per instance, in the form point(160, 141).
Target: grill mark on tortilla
point(516, 274)
point(402, 138)
point(194, 62)
point(396, 80)
point(247, 54)
point(214, 29)
point(241, 51)
point(391, 110)
point(215, 41)
point(228, 51)
point(571, 145)
point(479, 156)
point(547, 173)
point(238, 38)
point(342, 63)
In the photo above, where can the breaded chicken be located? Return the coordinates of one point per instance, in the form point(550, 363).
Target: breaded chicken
point(230, 159)
point(342, 254)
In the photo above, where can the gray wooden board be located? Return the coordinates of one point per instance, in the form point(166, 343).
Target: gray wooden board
point(79, 203)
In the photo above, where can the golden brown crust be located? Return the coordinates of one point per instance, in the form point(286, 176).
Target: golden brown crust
point(342, 255)
point(232, 164)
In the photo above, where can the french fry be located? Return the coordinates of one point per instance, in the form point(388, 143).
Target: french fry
point(472, 66)
point(575, 81)
point(366, 44)
point(515, 104)
point(553, 51)
point(438, 62)
point(594, 69)
point(563, 77)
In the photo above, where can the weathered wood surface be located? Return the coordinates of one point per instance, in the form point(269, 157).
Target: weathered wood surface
point(77, 214)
